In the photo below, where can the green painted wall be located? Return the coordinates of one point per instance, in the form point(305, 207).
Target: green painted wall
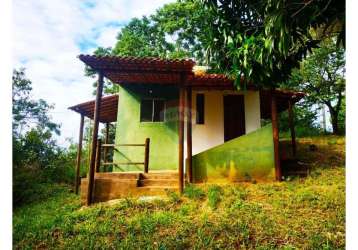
point(246, 158)
point(163, 135)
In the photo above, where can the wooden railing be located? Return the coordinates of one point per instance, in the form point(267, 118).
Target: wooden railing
point(145, 163)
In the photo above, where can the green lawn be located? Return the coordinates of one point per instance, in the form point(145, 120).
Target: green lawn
point(304, 213)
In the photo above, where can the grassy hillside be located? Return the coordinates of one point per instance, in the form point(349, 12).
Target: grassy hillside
point(304, 213)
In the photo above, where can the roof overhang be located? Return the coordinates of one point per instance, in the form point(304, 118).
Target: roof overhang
point(109, 109)
point(134, 70)
point(140, 70)
point(282, 99)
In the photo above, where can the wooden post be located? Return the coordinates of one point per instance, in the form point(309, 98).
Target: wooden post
point(189, 134)
point(181, 135)
point(275, 136)
point(292, 127)
point(98, 155)
point(89, 141)
point(105, 150)
point(146, 155)
point(97, 110)
point(79, 154)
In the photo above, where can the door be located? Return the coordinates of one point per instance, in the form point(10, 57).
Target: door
point(234, 116)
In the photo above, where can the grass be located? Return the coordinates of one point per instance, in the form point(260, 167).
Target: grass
point(304, 213)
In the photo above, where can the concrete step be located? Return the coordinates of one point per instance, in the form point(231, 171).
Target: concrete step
point(110, 185)
point(109, 188)
point(111, 175)
point(155, 190)
point(162, 176)
point(158, 182)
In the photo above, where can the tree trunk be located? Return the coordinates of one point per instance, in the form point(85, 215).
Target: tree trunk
point(334, 120)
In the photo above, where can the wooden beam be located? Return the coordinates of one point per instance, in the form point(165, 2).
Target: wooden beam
point(123, 145)
point(292, 127)
point(146, 155)
point(189, 146)
point(98, 155)
point(89, 141)
point(97, 110)
point(79, 154)
point(181, 135)
point(123, 163)
point(106, 141)
point(275, 134)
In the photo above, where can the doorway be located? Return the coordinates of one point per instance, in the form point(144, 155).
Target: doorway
point(234, 116)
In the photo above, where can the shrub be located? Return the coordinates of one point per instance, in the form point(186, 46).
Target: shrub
point(38, 160)
point(214, 196)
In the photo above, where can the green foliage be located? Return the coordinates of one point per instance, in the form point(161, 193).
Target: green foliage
point(305, 120)
point(187, 23)
point(264, 40)
point(142, 37)
point(28, 113)
point(177, 30)
point(37, 160)
point(108, 87)
point(342, 117)
point(36, 157)
point(322, 76)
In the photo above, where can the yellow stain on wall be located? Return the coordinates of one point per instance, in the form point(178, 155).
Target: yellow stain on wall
point(233, 172)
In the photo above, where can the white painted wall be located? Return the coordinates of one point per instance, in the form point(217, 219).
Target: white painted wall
point(252, 111)
point(211, 133)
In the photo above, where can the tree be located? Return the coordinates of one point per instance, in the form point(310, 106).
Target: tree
point(322, 76)
point(187, 24)
point(305, 119)
point(263, 41)
point(36, 156)
point(32, 126)
point(142, 37)
point(28, 113)
point(177, 30)
point(108, 87)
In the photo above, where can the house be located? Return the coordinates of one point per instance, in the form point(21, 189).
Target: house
point(174, 125)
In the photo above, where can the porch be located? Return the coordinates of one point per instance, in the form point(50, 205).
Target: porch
point(133, 71)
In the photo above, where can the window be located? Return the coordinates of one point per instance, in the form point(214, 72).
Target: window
point(200, 104)
point(152, 110)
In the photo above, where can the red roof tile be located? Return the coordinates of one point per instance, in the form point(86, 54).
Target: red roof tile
point(109, 108)
point(137, 63)
point(167, 71)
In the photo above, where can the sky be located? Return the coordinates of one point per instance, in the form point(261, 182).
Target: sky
point(49, 35)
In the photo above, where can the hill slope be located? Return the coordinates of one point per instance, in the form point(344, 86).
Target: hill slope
point(304, 213)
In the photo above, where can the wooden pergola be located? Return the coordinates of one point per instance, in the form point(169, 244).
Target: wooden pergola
point(179, 73)
point(108, 114)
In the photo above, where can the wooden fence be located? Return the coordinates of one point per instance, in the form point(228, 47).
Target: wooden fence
point(105, 163)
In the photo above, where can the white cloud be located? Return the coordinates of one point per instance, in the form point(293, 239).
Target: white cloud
point(49, 35)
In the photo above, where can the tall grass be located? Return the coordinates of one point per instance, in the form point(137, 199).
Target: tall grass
point(304, 213)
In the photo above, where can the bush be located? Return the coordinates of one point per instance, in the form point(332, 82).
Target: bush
point(38, 160)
